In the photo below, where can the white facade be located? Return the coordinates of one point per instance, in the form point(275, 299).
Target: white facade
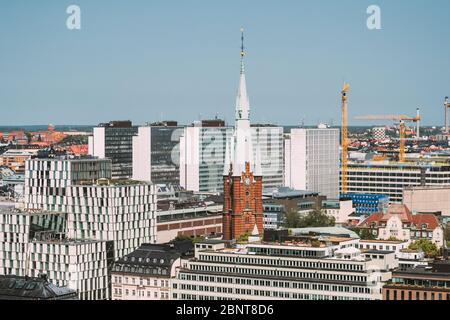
point(341, 211)
point(203, 149)
point(47, 180)
point(271, 272)
point(391, 179)
point(156, 154)
point(124, 214)
point(312, 161)
point(268, 142)
point(202, 156)
point(78, 264)
point(84, 220)
point(142, 154)
point(384, 245)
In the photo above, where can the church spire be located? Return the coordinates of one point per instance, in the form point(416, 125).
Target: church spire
point(242, 51)
point(242, 102)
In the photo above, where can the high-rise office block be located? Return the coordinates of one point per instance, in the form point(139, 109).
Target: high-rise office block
point(312, 161)
point(202, 156)
point(268, 139)
point(114, 140)
point(156, 153)
point(391, 178)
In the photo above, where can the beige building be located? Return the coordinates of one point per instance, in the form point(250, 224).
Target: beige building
point(428, 199)
point(398, 222)
point(147, 273)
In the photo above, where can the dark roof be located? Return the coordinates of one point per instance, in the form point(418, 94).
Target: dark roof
point(28, 288)
point(382, 252)
point(154, 259)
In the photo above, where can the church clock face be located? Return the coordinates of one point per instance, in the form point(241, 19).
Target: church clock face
point(247, 181)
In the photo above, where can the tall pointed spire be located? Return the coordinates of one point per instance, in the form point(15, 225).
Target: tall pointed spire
point(242, 102)
point(242, 51)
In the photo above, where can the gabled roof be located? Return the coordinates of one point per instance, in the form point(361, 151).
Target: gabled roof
point(401, 211)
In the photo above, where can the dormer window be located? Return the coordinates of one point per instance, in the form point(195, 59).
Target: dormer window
point(424, 226)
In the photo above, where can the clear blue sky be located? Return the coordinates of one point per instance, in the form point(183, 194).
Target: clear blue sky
point(143, 60)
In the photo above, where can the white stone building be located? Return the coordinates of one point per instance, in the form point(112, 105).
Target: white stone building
point(147, 273)
point(312, 161)
point(285, 271)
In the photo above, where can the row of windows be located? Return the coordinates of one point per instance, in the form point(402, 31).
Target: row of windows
point(278, 273)
point(148, 282)
point(298, 263)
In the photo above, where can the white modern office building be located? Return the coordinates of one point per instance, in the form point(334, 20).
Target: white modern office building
point(76, 222)
point(391, 178)
point(156, 153)
point(47, 180)
point(268, 141)
point(258, 271)
point(81, 265)
point(114, 140)
point(312, 160)
point(202, 156)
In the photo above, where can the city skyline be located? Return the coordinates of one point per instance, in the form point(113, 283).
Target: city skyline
point(177, 68)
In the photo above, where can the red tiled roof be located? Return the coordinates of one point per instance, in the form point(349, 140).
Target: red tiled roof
point(426, 218)
point(405, 216)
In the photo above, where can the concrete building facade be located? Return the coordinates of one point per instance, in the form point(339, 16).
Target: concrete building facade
point(312, 161)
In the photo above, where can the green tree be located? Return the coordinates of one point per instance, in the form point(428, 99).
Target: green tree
point(291, 220)
point(447, 233)
point(243, 237)
point(427, 246)
point(391, 238)
point(366, 234)
point(186, 238)
point(316, 218)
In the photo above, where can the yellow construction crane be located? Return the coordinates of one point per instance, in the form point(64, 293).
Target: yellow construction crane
point(402, 119)
point(344, 138)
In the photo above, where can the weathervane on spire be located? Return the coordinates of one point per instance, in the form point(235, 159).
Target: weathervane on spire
point(242, 50)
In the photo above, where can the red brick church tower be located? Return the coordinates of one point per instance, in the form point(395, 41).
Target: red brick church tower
point(242, 208)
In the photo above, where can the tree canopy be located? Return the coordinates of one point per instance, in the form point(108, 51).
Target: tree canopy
point(315, 218)
point(427, 246)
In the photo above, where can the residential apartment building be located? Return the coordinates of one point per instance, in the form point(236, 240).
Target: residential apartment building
point(15, 158)
point(391, 178)
point(114, 140)
point(156, 153)
point(312, 160)
point(398, 222)
point(147, 272)
point(271, 271)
